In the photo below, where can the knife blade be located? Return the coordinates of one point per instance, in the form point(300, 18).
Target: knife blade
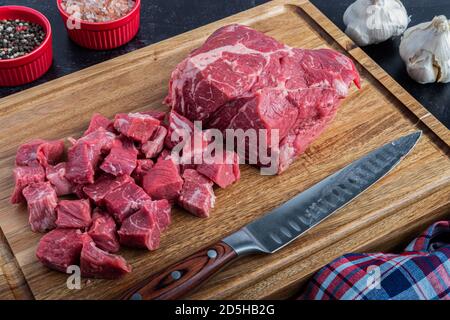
point(280, 226)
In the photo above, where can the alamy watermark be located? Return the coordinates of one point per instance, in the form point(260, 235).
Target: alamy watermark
point(253, 146)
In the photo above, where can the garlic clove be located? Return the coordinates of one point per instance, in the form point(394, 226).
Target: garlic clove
point(374, 21)
point(425, 48)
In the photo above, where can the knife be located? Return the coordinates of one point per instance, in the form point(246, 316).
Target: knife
point(279, 227)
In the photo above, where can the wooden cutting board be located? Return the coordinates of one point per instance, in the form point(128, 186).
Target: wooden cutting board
point(414, 194)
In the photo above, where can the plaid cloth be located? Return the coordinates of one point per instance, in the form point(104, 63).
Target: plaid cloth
point(422, 272)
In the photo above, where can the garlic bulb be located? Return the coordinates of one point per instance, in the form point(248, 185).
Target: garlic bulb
point(374, 21)
point(425, 48)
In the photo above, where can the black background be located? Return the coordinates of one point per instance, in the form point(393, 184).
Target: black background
point(162, 19)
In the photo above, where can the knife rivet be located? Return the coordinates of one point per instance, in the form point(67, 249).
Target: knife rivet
point(212, 254)
point(176, 275)
point(136, 296)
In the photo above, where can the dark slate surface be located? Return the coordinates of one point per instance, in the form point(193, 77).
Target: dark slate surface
point(164, 19)
point(435, 97)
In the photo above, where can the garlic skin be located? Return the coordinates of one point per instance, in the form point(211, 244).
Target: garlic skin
point(425, 49)
point(375, 21)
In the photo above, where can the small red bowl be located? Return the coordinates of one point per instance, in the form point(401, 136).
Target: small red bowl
point(25, 69)
point(102, 35)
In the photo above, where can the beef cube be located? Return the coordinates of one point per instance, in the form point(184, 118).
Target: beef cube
point(178, 130)
point(60, 249)
point(42, 201)
point(155, 145)
point(143, 166)
point(41, 152)
point(79, 192)
point(104, 231)
point(85, 154)
point(104, 185)
point(97, 263)
point(158, 115)
point(73, 214)
point(197, 195)
point(140, 230)
point(125, 200)
point(225, 172)
point(136, 126)
point(23, 176)
point(99, 121)
point(57, 177)
point(163, 181)
point(161, 209)
point(122, 158)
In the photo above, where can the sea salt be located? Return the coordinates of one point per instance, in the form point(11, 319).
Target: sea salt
point(98, 10)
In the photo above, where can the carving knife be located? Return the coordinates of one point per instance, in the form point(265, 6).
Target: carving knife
point(279, 227)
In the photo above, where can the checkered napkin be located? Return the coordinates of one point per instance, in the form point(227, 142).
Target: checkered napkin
point(421, 272)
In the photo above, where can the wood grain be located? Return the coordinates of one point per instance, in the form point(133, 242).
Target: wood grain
point(415, 192)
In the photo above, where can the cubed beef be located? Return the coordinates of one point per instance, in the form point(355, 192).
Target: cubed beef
point(197, 195)
point(57, 177)
point(23, 176)
point(104, 231)
point(104, 185)
point(125, 200)
point(136, 126)
point(158, 115)
point(161, 209)
point(155, 145)
point(42, 201)
point(163, 181)
point(122, 158)
point(99, 121)
point(143, 166)
point(73, 214)
point(179, 129)
point(225, 172)
point(97, 263)
point(79, 192)
point(60, 248)
point(85, 154)
point(140, 230)
point(41, 152)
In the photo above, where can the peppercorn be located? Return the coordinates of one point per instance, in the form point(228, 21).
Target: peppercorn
point(18, 38)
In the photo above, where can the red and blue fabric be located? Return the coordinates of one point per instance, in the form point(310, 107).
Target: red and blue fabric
point(421, 272)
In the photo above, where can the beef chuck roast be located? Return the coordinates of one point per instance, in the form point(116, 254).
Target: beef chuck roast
point(242, 79)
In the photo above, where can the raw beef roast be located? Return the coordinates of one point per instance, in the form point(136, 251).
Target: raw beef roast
point(242, 79)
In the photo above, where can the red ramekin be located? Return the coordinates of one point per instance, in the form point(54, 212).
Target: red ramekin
point(25, 69)
point(103, 35)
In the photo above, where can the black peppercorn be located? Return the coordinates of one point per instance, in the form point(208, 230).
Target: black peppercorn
point(18, 38)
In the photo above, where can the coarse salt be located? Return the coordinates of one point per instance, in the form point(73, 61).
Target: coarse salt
point(98, 10)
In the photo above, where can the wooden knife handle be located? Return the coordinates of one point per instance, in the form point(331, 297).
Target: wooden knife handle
point(184, 276)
